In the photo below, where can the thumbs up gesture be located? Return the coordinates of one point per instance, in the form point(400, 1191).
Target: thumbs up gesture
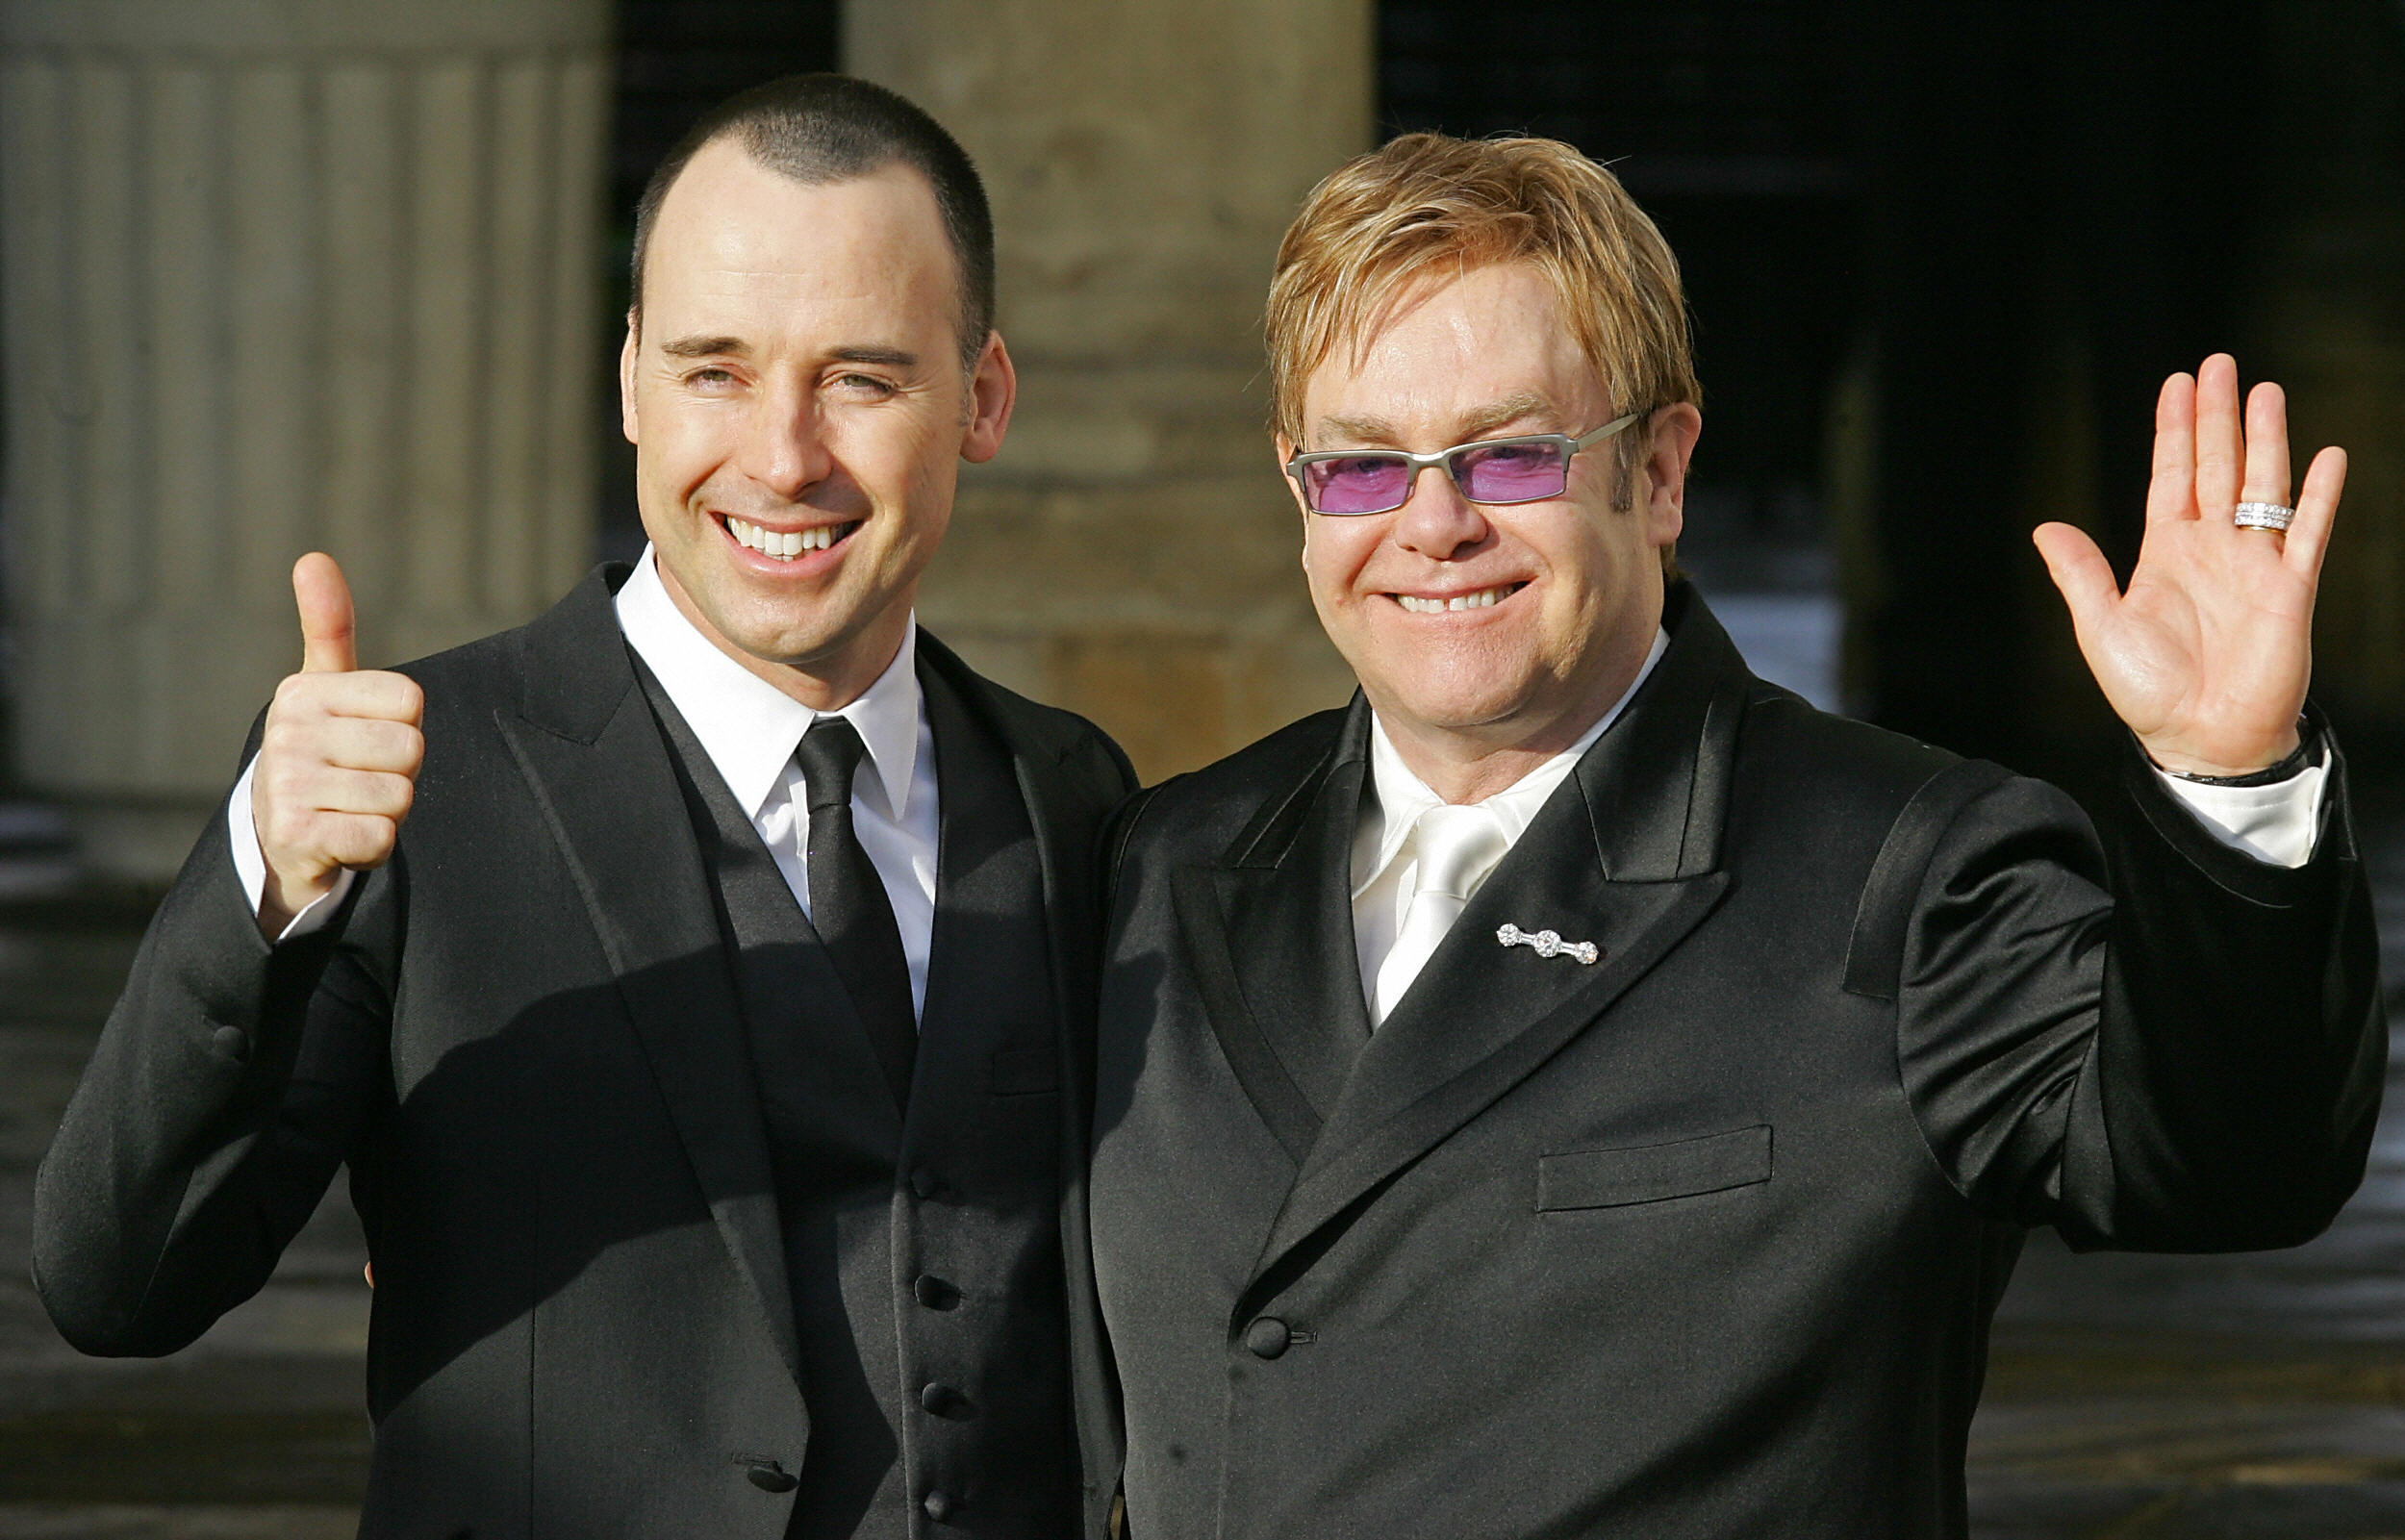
point(337, 764)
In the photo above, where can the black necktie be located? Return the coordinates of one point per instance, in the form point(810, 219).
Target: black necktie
point(848, 907)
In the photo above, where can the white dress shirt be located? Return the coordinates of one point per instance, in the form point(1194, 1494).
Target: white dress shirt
point(2274, 823)
point(1382, 885)
point(750, 730)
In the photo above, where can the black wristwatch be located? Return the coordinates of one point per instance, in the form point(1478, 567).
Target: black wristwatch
point(2308, 753)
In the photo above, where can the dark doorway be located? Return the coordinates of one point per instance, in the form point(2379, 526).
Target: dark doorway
point(1732, 124)
point(1939, 257)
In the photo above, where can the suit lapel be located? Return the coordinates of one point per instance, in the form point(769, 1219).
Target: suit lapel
point(1068, 786)
point(987, 898)
point(1065, 813)
point(1625, 855)
point(586, 744)
point(1289, 1018)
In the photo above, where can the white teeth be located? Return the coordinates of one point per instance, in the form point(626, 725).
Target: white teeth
point(1480, 600)
point(786, 544)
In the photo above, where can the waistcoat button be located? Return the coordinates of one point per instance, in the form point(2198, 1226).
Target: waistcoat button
point(769, 1477)
point(943, 1400)
point(1267, 1337)
point(938, 1507)
point(925, 1183)
point(934, 1293)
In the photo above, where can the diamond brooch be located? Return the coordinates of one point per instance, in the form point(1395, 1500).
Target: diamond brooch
point(1549, 944)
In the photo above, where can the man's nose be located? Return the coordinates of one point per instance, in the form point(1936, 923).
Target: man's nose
point(1437, 521)
point(785, 447)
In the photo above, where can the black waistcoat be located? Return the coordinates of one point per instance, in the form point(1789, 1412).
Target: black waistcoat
point(923, 1248)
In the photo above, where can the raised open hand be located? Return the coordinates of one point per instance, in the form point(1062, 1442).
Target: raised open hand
point(2207, 656)
point(337, 764)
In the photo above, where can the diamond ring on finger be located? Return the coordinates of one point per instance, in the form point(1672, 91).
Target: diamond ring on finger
point(2273, 516)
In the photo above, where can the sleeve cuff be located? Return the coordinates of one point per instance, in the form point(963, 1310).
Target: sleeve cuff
point(251, 867)
point(2277, 823)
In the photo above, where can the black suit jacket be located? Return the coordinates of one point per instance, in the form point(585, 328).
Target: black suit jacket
point(524, 1036)
point(1702, 1239)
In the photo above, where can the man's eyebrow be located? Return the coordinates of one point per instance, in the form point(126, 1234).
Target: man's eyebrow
point(704, 346)
point(899, 358)
point(1510, 408)
point(1355, 430)
point(1476, 425)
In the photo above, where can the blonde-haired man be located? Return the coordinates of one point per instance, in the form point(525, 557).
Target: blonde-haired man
point(1581, 1090)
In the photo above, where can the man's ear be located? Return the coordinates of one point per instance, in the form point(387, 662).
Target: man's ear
point(993, 390)
point(626, 380)
point(1672, 432)
point(1285, 448)
point(1285, 451)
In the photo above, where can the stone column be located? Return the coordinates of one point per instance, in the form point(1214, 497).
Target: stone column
point(1132, 554)
point(281, 274)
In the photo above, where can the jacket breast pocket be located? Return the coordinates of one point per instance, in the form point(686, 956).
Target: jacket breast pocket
point(1648, 1173)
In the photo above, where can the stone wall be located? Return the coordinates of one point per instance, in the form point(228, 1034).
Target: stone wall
point(1132, 553)
point(281, 274)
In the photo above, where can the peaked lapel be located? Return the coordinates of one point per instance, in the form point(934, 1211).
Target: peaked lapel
point(1624, 855)
point(1290, 1017)
point(1065, 806)
point(987, 897)
point(1069, 783)
point(584, 738)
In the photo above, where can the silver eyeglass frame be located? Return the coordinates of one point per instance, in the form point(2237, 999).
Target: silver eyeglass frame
point(1299, 462)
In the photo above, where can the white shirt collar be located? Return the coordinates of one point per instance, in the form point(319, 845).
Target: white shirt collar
point(747, 727)
point(1403, 796)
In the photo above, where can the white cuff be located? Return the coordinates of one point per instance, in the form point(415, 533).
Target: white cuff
point(2277, 823)
point(251, 866)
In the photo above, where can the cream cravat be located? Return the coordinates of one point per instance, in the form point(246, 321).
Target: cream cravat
point(1456, 848)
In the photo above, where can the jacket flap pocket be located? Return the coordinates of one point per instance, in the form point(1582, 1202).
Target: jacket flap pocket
point(1605, 1178)
point(1025, 1072)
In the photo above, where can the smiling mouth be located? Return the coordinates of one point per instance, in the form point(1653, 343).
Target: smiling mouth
point(1484, 598)
point(791, 544)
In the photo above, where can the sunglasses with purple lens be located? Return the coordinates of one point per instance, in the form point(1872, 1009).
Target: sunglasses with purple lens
point(1524, 470)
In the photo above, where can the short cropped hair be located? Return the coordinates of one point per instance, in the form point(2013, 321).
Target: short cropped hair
point(822, 128)
point(1427, 205)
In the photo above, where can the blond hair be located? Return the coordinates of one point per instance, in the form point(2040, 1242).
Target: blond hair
point(1386, 222)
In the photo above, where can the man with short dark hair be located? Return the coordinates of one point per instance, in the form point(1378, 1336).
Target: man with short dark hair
point(1581, 1090)
point(697, 981)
